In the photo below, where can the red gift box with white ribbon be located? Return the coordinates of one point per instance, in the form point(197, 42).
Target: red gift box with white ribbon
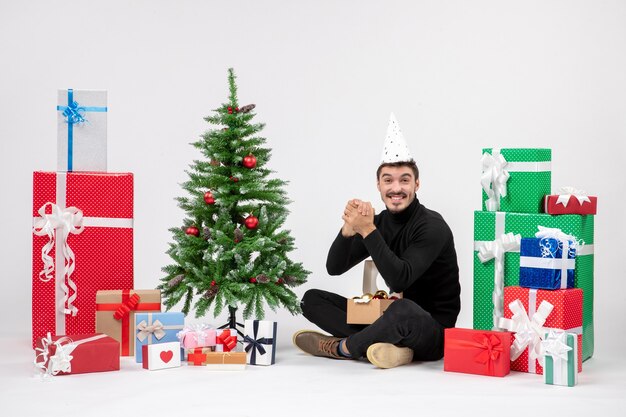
point(530, 313)
point(570, 201)
point(82, 243)
point(77, 354)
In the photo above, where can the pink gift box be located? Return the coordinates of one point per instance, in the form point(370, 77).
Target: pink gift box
point(192, 337)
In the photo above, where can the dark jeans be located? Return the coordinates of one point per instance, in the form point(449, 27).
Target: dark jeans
point(404, 324)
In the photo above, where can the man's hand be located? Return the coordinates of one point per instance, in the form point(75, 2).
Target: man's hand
point(358, 217)
point(346, 229)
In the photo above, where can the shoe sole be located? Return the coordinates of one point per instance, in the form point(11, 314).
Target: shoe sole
point(401, 356)
point(299, 332)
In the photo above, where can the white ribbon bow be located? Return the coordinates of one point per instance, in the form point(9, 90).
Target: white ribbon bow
point(567, 243)
point(494, 178)
point(61, 361)
point(555, 345)
point(198, 329)
point(66, 220)
point(146, 330)
point(495, 250)
point(528, 332)
point(567, 192)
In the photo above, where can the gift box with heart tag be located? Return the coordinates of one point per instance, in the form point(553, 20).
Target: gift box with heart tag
point(161, 356)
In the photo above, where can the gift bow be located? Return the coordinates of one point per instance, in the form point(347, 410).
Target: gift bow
point(495, 250)
point(145, 330)
point(227, 340)
point(66, 220)
point(528, 332)
point(555, 345)
point(74, 113)
point(567, 244)
point(255, 343)
point(61, 361)
point(124, 309)
point(568, 192)
point(198, 329)
point(494, 178)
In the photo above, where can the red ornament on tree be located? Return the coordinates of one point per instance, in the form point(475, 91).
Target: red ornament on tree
point(192, 230)
point(230, 110)
point(213, 283)
point(249, 161)
point(234, 179)
point(237, 109)
point(208, 198)
point(280, 281)
point(251, 222)
point(252, 280)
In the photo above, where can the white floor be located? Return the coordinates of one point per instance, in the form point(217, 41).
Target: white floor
point(301, 385)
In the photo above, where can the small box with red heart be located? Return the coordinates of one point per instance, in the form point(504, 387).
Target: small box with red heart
point(161, 356)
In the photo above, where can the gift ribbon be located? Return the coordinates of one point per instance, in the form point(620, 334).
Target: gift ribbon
point(225, 355)
point(528, 328)
point(567, 244)
point(197, 356)
point(64, 266)
point(74, 114)
point(566, 193)
point(147, 330)
point(227, 340)
point(495, 250)
point(61, 361)
point(156, 328)
point(125, 318)
point(197, 330)
point(494, 178)
point(66, 221)
point(496, 172)
point(489, 349)
point(256, 344)
point(557, 355)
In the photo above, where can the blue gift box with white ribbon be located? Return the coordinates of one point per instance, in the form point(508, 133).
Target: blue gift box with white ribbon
point(260, 342)
point(547, 263)
point(81, 130)
point(154, 328)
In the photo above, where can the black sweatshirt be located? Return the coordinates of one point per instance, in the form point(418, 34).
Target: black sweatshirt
point(414, 253)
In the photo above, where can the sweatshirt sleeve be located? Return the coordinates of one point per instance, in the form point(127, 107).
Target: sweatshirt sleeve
point(344, 253)
point(400, 272)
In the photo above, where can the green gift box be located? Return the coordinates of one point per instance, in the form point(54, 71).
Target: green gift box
point(489, 225)
point(515, 180)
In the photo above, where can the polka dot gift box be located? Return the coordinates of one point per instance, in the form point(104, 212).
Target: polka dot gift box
point(82, 243)
point(530, 313)
point(489, 225)
point(515, 180)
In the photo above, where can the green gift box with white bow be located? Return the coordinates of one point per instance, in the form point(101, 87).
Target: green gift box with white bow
point(560, 351)
point(515, 180)
point(489, 228)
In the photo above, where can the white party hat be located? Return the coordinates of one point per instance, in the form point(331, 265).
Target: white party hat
point(395, 149)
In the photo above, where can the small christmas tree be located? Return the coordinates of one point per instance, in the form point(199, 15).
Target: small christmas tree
point(231, 250)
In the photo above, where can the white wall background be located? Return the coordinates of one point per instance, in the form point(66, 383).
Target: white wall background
point(460, 75)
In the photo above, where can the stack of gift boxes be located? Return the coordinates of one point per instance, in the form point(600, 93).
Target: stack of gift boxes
point(533, 273)
point(85, 312)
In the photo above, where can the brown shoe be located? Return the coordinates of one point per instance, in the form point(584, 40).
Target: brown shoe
point(386, 355)
point(317, 344)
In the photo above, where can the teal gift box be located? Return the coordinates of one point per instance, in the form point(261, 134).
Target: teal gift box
point(489, 225)
point(153, 328)
point(515, 180)
point(560, 353)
